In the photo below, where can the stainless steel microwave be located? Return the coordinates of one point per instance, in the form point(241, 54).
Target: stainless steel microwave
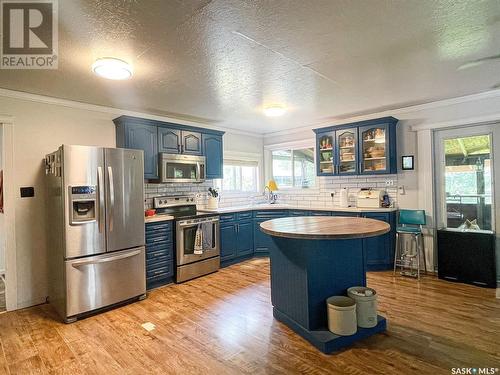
point(182, 168)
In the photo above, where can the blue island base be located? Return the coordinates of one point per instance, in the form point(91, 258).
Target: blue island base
point(326, 341)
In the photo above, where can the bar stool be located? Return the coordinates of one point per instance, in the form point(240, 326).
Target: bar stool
point(410, 223)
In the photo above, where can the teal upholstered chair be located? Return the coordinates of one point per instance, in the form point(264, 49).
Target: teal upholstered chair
point(410, 224)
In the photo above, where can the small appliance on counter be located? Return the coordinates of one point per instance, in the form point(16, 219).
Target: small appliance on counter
point(370, 198)
point(196, 237)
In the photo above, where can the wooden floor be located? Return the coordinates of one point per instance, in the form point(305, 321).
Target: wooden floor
point(223, 324)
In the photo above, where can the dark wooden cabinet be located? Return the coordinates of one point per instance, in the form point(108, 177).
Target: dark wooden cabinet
point(212, 145)
point(360, 148)
point(467, 257)
point(169, 140)
point(159, 254)
point(140, 137)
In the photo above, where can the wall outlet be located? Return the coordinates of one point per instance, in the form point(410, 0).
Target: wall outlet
point(332, 194)
point(389, 182)
point(401, 190)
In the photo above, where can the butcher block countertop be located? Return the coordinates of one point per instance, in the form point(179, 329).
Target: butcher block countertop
point(324, 227)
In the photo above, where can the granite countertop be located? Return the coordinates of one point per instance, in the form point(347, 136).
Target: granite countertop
point(223, 210)
point(157, 218)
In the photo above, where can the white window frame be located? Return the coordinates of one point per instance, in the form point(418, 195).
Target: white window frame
point(242, 158)
point(296, 145)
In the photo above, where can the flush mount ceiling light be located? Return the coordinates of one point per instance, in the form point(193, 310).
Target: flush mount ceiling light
point(111, 68)
point(274, 111)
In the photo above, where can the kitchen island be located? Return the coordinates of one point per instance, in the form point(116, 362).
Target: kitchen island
point(316, 258)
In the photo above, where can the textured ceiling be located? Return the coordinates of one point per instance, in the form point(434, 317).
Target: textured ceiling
point(221, 61)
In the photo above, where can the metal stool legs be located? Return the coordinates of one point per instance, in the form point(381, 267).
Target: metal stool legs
point(406, 259)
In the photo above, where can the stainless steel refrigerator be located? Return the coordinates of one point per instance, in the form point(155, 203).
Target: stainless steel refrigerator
point(95, 207)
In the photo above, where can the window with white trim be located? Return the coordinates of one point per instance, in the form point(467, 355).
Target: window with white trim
point(294, 168)
point(240, 176)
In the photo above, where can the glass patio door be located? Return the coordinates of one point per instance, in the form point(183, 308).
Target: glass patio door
point(465, 170)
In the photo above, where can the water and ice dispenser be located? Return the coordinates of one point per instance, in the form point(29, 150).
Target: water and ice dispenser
point(83, 203)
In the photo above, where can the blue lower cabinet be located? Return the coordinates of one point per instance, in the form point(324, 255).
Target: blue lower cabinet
point(236, 234)
point(244, 245)
point(321, 213)
point(263, 243)
point(380, 250)
point(159, 254)
point(227, 241)
point(344, 213)
point(241, 237)
point(299, 213)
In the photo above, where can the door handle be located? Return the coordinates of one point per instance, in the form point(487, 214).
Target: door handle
point(105, 260)
point(178, 148)
point(111, 198)
point(100, 192)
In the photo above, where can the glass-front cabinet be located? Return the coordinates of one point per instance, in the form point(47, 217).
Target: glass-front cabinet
point(325, 153)
point(366, 147)
point(374, 149)
point(347, 151)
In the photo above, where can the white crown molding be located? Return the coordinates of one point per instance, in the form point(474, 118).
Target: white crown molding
point(303, 143)
point(393, 112)
point(13, 94)
point(481, 120)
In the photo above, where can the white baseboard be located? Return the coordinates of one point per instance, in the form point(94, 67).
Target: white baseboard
point(498, 293)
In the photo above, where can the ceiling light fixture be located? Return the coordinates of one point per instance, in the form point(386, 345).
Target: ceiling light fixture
point(274, 111)
point(111, 68)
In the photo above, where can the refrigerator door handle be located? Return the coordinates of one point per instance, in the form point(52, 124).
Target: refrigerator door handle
point(111, 207)
point(104, 260)
point(100, 191)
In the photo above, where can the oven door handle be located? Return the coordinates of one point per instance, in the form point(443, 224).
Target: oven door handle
point(187, 225)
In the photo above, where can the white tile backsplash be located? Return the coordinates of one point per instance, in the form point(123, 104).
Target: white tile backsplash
point(317, 197)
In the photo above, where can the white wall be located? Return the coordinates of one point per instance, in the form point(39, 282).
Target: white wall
point(40, 128)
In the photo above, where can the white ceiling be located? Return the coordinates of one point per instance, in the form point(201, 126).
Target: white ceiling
point(221, 61)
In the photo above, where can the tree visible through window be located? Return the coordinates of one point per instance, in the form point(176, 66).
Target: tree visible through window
point(294, 168)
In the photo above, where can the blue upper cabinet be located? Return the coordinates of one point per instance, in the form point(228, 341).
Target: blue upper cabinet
point(176, 141)
point(325, 142)
point(141, 137)
point(346, 152)
point(377, 151)
point(169, 140)
point(213, 149)
point(154, 137)
point(191, 143)
point(361, 148)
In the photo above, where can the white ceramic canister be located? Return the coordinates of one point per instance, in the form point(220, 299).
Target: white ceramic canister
point(342, 315)
point(366, 305)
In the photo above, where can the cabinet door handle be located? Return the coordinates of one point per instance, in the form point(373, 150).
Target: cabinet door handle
point(178, 148)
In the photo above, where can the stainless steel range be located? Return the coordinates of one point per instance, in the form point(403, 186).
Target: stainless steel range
point(196, 237)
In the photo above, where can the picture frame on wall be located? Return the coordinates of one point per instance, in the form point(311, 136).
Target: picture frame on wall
point(407, 163)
